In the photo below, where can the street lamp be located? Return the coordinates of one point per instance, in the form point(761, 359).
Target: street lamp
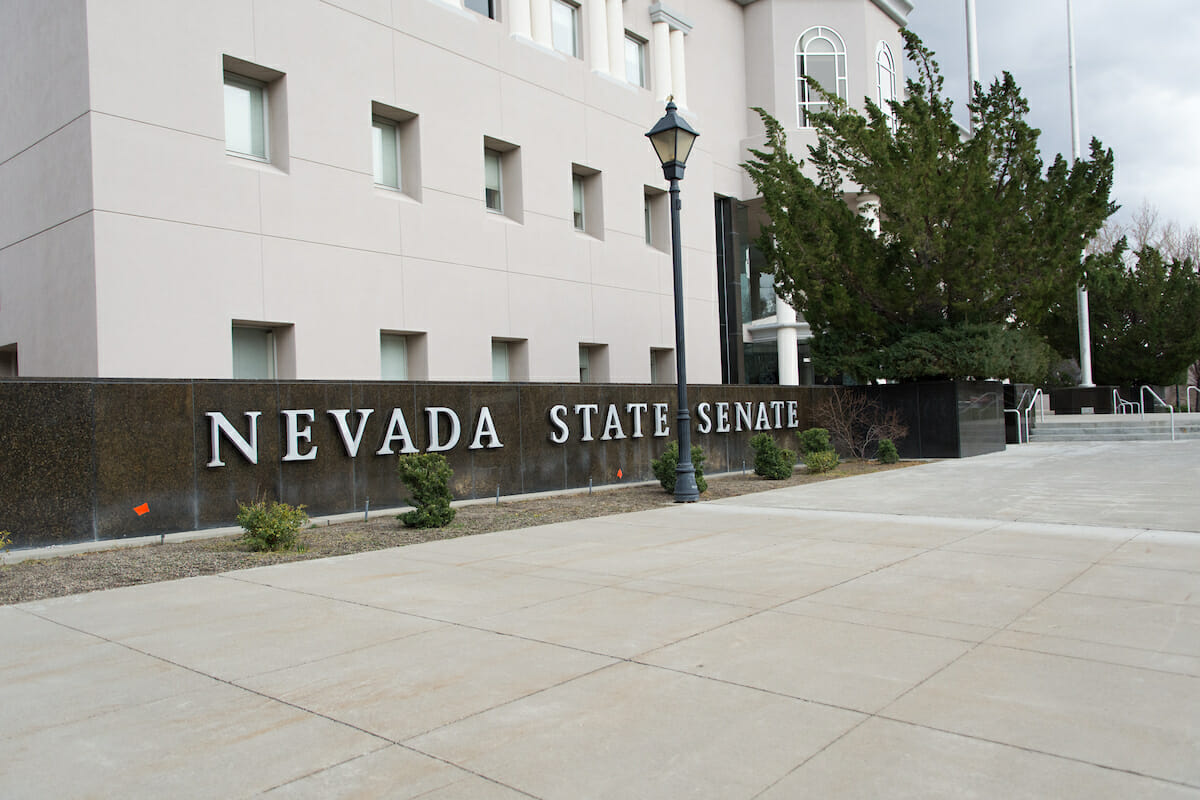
point(673, 138)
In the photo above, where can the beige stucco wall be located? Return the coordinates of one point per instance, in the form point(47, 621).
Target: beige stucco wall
point(171, 240)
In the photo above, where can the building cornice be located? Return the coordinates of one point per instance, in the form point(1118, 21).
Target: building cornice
point(897, 10)
point(675, 20)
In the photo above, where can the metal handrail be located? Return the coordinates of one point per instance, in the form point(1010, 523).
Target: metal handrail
point(1032, 402)
point(1188, 393)
point(1142, 397)
point(1018, 413)
point(1123, 406)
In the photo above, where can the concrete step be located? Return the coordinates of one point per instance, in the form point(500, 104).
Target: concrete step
point(1115, 428)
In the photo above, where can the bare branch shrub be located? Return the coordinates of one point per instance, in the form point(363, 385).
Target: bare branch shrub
point(856, 422)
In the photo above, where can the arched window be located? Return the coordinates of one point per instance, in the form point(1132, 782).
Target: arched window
point(885, 76)
point(820, 54)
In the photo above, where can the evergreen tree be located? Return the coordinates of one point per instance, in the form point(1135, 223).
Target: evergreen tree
point(976, 240)
point(1143, 317)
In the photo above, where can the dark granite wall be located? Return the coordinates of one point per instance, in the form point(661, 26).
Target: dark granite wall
point(77, 457)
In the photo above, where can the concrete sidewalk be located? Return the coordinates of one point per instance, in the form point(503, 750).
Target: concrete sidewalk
point(1023, 624)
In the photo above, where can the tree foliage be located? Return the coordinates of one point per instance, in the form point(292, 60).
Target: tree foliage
point(1143, 313)
point(974, 232)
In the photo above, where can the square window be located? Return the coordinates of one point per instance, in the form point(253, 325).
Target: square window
point(253, 353)
point(564, 27)
point(485, 7)
point(245, 117)
point(635, 60)
point(577, 201)
point(662, 365)
point(656, 218)
point(493, 196)
point(385, 144)
point(8, 361)
point(393, 357)
point(593, 363)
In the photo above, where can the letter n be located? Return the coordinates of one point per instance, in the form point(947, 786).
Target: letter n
point(219, 425)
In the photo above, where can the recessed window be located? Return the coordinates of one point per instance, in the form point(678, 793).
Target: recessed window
point(385, 144)
point(885, 74)
point(499, 361)
point(254, 354)
point(662, 365)
point(8, 361)
point(510, 360)
point(485, 7)
point(245, 117)
point(577, 201)
point(656, 216)
point(820, 55)
point(255, 106)
point(564, 27)
point(493, 181)
point(635, 60)
point(502, 178)
point(587, 200)
point(593, 363)
point(393, 357)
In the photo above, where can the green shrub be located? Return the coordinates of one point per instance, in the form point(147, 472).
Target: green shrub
point(887, 453)
point(814, 440)
point(270, 525)
point(5, 539)
point(427, 476)
point(664, 468)
point(770, 460)
point(821, 461)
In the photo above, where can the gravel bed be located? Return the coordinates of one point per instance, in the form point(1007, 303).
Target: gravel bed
point(106, 569)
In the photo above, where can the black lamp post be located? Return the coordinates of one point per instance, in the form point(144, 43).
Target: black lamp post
point(673, 138)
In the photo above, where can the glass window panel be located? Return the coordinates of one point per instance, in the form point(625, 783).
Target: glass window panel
point(245, 118)
point(492, 196)
point(499, 361)
point(635, 61)
point(585, 365)
point(577, 200)
point(649, 220)
point(484, 7)
point(386, 154)
point(824, 69)
point(253, 353)
point(393, 357)
point(563, 26)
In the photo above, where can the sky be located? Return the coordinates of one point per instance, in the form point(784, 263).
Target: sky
point(1137, 93)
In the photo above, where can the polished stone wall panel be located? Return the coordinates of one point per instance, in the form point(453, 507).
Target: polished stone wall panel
point(543, 463)
point(47, 474)
point(325, 483)
point(375, 476)
point(144, 455)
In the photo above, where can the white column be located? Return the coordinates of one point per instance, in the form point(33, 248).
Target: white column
point(539, 22)
point(678, 70)
point(616, 37)
point(1081, 295)
point(598, 35)
point(660, 34)
point(972, 58)
point(518, 18)
point(785, 341)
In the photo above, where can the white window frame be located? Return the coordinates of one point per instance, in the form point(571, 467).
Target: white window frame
point(261, 116)
point(393, 350)
point(807, 44)
point(490, 13)
point(272, 352)
point(635, 69)
point(885, 79)
point(385, 140)
point(496, 157)
point(558, 8)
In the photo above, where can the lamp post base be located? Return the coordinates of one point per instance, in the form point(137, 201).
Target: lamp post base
point(686, 490)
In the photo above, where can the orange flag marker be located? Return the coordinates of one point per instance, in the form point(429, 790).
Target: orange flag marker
point(144, 508)
point(618, 474)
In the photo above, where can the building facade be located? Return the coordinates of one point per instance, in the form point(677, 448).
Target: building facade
point(402, 189)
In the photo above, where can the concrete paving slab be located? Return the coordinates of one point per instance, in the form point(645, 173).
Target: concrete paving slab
point(1139, 583)
point(401, 689)
point(1114, 716)
point(1153, 626)
point(881, 758)
point(632, 731)
point(394, 773)
point(852, 666)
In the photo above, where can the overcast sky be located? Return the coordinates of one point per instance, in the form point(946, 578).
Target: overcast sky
point(1137, 91)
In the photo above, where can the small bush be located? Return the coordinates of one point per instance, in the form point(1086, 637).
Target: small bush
point(5, 539)
point(814, 440)
point(887, 452)
point(664, 468)
point(270, 525)
point(821, 461)
point(856, 422)
point(427, 476)
point(770, 460)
